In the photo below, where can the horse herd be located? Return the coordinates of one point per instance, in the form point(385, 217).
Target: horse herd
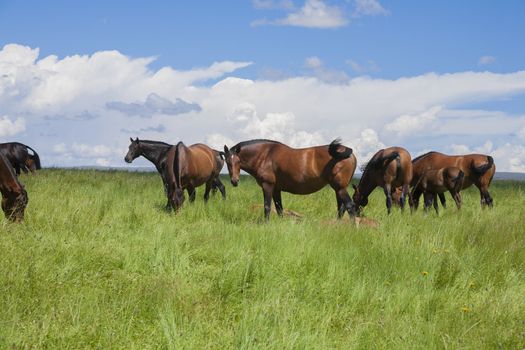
point(277, 167)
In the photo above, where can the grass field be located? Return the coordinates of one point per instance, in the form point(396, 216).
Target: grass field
point(98, 263)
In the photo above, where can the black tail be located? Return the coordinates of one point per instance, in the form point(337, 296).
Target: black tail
point(386, 160)
point(482, 169)
point(333, 150)
point(36, 158)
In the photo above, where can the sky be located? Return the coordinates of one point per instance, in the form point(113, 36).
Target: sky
point(78, 79)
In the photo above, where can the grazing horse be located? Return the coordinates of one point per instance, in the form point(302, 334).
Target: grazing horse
point(18, 155)
point(389, 168)
point(14, 196)
point(156, 152)
point(191, 167)
point(478, 169)
point(277, 167)
point(434, 182)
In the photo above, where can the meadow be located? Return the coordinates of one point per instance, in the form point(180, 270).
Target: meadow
point(99, 263)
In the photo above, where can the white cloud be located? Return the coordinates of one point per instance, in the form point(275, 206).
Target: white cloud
point(313, 62)
point(369, 8)
point(366, 145)
point(63, 102)
point(10, 128)
point(486, 60)
point(409, 124)
point(315, 14)
point(507, 157)
point(368, 67)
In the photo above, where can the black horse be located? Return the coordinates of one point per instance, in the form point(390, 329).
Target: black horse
point(156, 152)
point(18, 155)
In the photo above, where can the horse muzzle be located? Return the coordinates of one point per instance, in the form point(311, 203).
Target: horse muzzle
point(127, 160)
point(235, 182)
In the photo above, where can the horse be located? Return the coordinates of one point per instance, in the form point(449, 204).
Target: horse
point(434, 182)
point(478, 169)
point(18, 155)
point(191, 167)
point(389, 168)
point(156, 152)
point(14, 196)
point(277, 167)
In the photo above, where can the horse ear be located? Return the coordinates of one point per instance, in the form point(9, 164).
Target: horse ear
point(226, 150)
point(354, 186)
point(137, 139)
point(238, 149)
point(131, 139)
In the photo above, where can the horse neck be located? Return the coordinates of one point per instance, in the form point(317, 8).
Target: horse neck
point(153, 152)
point(248, 157)
point(366, 183)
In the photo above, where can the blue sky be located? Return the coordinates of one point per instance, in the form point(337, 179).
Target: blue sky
point(444, 75)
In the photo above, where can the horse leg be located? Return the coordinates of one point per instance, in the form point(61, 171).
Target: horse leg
point(191, 193)
point(443, 200)
point(267, 193)
point(435, 202)
point(486, 199)
point(404, 192)
point(220, 186)
point(278, 202)
point(347, 202)
point(427, 201)
point(415, 198)
point(207, 191)
point(457, 198)
point(340, 206)
point(387, 189)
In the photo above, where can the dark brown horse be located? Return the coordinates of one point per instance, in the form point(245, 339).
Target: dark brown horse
point(14, 196)
point(18, 155)
point(191, 167)
point(434, 182)
point(478, 169)
point(277, 167)
point(156, 152)
point(389, 168)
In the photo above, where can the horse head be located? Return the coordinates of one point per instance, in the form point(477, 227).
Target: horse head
point(14, 204)
point(359, 199)
point(133, 150)
point(233, 162)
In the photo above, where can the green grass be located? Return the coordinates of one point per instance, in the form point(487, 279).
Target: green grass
point(98, 263)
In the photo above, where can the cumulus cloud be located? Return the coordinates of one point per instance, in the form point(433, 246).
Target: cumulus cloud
point(313, 14)
point(301, 110)
point(486, 60)
point(507, 156)
point(409, 124)
point(9, 127)
point(322, 73)
point(366, 145)
point(369, 8)
point(154, 104)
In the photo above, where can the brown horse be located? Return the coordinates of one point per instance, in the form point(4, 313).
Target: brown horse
point(479, 170)
point(191, 167)
point(277, 167)
point(434, 182)
point(388, 168)
point(14, 196)
point(18, 155)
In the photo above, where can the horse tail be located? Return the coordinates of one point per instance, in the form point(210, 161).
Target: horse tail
point(391, 157)
point(483, 168)
point(36, 158)
point(222, 155)
point(336, 153)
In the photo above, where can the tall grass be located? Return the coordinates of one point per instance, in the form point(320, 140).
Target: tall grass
point(98, 263)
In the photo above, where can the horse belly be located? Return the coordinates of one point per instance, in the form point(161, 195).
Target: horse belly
point(306, 186)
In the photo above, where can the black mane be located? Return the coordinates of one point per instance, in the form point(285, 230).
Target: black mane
point(421, 156)
point(155, 142)
point(251, 142)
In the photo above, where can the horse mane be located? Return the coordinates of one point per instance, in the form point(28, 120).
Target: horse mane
point(251, 142)
point(422, 156)
point(155, 142)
